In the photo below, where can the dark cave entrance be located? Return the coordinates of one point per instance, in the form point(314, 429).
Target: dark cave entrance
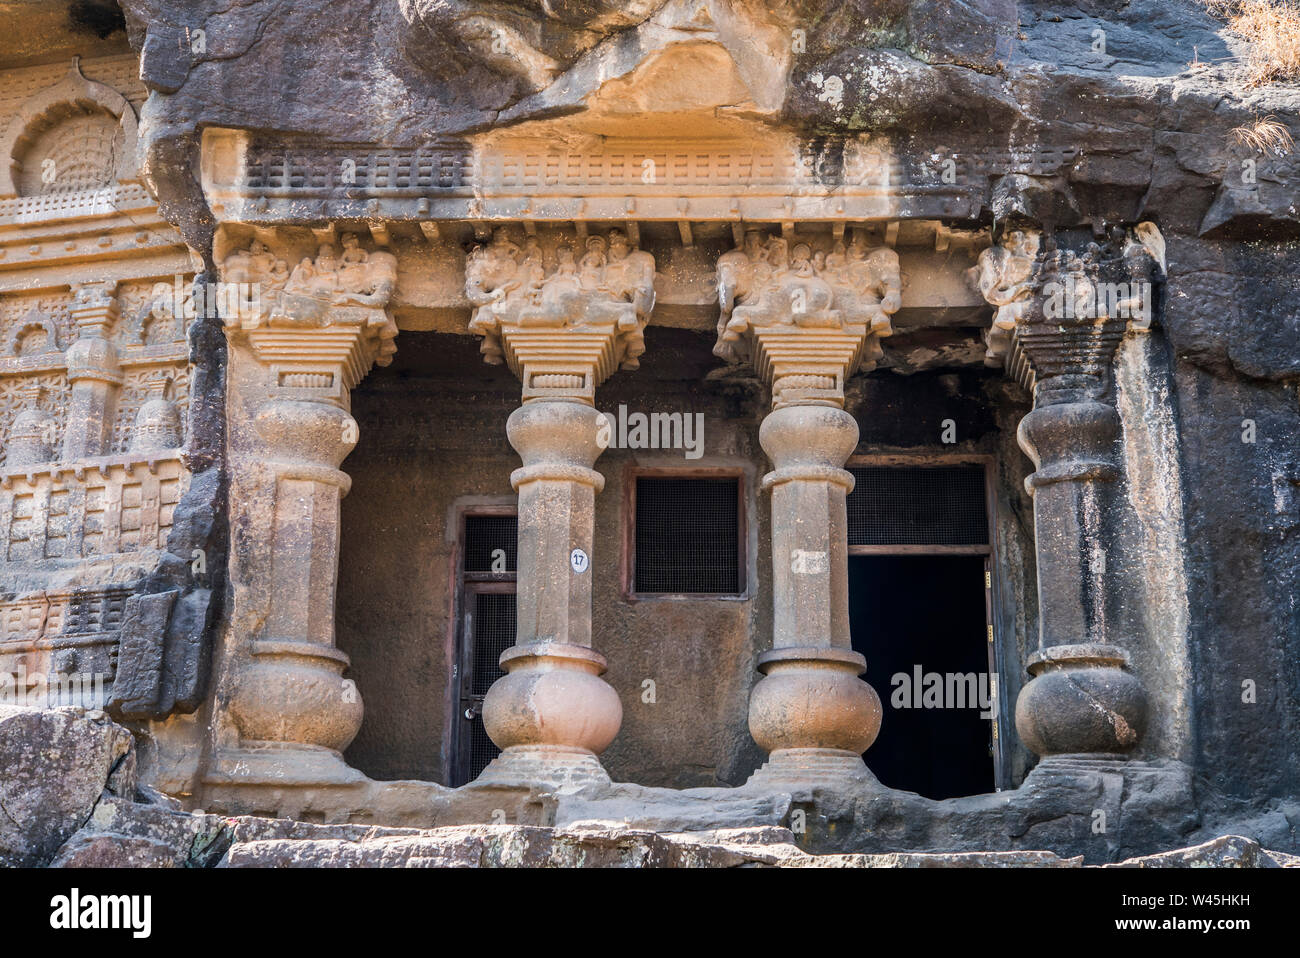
point(919, 577)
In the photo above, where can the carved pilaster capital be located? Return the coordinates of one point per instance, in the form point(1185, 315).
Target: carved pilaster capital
point(319, 326)
point(1060, 314)
point(1005, 276)
point(807, 317)
point(563, 318)
point(92, 356)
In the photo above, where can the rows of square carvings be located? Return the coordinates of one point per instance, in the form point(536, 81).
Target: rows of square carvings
point(280, 169)
point(70, 204)
point(105, 506)
point(34, 620)
point(298, 168)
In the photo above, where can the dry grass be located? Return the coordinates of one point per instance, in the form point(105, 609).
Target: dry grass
point(1265, 135)
point(1272, 27)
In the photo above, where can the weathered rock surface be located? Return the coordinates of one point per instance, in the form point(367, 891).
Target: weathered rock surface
point(56, 764)
point(597, 846)
point(1229, 851)
point(68, 802)
point(126, 835)
point(71, 800)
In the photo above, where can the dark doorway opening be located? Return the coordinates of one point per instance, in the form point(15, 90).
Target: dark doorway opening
point(489, 564)
point(921, 622)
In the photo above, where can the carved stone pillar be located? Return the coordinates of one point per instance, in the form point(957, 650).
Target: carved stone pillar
point(1068, 315)
point(94, 372)
point(299, 344)
point(808, 320)
point(563, 327)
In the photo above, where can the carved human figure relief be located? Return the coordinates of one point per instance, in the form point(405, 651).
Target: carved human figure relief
point(330, 288)
point(828, 285)
point(605, 280)
point(1005, 277)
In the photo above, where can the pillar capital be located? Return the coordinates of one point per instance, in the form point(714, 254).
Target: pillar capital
point(562, 318)
point(806, 317)
point(1061, 314)
point(94, 307)
point(318, 327)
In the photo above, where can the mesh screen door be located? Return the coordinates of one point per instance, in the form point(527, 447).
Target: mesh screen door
point(489, 551)
point(688, 538)
point(918, 505)
point(489, 630)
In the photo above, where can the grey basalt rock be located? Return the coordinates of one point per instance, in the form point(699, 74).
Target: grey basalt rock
point(56, 764)
point(1227, 851)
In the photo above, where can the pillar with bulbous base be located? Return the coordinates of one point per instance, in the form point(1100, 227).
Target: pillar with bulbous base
point(552, 714)
point(810, 711)
point(806, 331)
point(1081, 699)
point(284, 712)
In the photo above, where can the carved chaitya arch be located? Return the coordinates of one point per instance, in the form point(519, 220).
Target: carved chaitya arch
point(68, 98)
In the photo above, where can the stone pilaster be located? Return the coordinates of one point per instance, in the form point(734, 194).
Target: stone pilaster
point(299, 343)
point(93, 371)
point(563, 325)
point(1068, 313)
point(807, 320)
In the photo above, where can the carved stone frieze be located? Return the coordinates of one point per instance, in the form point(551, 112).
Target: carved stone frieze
point(807, 318)
point(564, 319)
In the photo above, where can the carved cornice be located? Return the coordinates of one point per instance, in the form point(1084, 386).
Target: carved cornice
point(807, 318)
point(261, 178)
point(562, 319)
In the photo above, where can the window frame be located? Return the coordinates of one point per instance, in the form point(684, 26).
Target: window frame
point(631, 475)
point(932, 460)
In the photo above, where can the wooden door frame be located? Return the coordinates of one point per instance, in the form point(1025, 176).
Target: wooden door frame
point(463, 586)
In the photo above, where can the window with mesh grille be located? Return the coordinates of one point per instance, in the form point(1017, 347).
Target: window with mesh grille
point(687, 536)
point(494, 632)
point(484, 535)
point(918, 505)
